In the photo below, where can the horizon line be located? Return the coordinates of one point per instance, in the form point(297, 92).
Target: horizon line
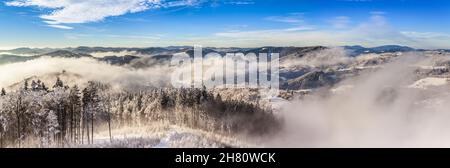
point(130, 47)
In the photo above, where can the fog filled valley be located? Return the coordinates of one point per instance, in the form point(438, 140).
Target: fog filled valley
point(349, 96)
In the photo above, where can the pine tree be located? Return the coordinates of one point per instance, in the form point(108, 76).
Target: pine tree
point(74, 112)
point(91, 105)
point(3, 92)
point(60, 103)
point(34, 85)
point(25, 85)
point(84, 117)
point(19, 113)
point(58, 83)
point(3, 126)
point(106, 102)
point(95, 107)
point(43, 87)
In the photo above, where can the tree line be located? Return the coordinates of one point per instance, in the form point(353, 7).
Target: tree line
point(60, 115)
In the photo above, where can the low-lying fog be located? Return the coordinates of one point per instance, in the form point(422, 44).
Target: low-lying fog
point(376, 109)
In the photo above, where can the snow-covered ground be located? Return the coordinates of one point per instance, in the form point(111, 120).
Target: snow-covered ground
point(429, 82)
point(342, 88)
point(161, 136)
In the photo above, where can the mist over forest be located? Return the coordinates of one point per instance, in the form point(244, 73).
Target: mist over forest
point(123, 97)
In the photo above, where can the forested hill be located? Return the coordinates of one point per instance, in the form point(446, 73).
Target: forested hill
point(37, 115)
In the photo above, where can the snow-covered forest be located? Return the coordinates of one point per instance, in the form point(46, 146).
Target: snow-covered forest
point(37, 115)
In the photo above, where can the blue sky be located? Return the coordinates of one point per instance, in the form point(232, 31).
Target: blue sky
point(240, 23)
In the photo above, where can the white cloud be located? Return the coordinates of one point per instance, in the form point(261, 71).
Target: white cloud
point(240, 2)
point(378, 13)
point(262, 33)
point(429, 39)
point(84, 11)
point(134, 36)
point(44, 68)
point(340, 22)
point(291, 18)
point(425, 35)
point(373, 32)
point(60, 26)
point(299, 28)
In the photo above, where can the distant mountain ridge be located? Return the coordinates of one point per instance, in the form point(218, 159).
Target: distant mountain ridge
point(301, 68)
point(158, 54)
point(65, 54)
point(357, 49)
point(5, 59)
point(174, 49)
point(29, 51)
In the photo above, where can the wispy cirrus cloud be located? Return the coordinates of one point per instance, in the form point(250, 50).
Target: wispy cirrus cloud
point(60, 26)
point(262, 33)
point(290, 18)
point(340, 22)
point(74, 36)
point(378, 12)
point(356, 0)
point(425, 35)
point(429, 39)
point(298, 28)
point(85, 11)
point(240, 2)
point(152, 37)
point(373, 32)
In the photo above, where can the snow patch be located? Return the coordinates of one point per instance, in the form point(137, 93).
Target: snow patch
point(429, 82)
point(342, 88)
point(434, 67)
point(118, 54)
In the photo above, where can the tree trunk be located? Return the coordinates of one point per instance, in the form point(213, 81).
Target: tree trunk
point(18, 129)
point(78, 127)
point(18, 120)
point(71, 123)
point(109, 126)
point(82, 123)
point(87, 132)
point(1, 139)
point(75, 129)
point(92, 132)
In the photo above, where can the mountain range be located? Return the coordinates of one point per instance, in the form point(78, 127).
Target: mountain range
point(301, 67)
point(24, 54)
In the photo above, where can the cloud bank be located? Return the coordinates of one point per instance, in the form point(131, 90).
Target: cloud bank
point(377, 109)
point(81, 70)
